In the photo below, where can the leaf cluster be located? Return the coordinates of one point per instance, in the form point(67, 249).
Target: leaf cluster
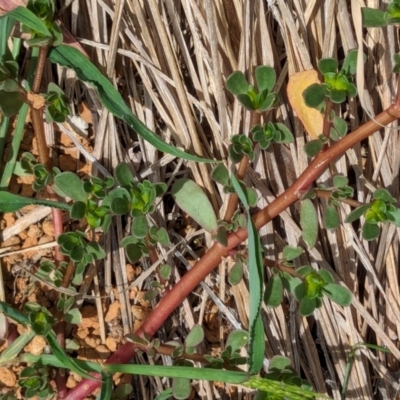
point(381, 210)
point(337, 84)
point(36, 381)
point(56, 104)
point(261, 98)
point(80, 251)
point(372, 17)
point(271, 133)
point(307, 285)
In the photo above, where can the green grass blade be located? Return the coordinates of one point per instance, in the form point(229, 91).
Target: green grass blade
point(14, 314)
point(53, 361)
point(72, 58)
point(29, 19)
point(106, 386)
point(256, 279)
point(67, 362)
point(206, 374)
point(12, 351)
point(19, 129)
point(11, 202)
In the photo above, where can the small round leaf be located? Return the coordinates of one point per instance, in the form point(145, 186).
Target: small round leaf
point(331, 218)
point(274, 291)
point(314, 95)
point(338, 294)
point(236, 274)
point(307, 306)
point(237, 83)
point(195, 336)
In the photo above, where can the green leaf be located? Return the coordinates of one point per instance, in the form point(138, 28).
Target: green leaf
point(279, 363)
point(191, 198)
point(29, 19)
point(69, 363)
point(326, 275)
point(337, 96)
point(246, 101)
point(237, 83)
point(72, 58)
point(265, 78)
point(289, 253)
point(162, 237)
point(331, 217)
point(237, 339)
point(309, 222)
point(338, 294)
point(220, 174)
point(73, 316)
point(251, 196)
point(235, 275)
point(10, 103)
point(274, 291)
point(140, 227)
point(11, 202)
point(350, 62)
point(181, 388)
point(195, 336)
point(357, 213)
point(133, 252)
point(307, 306)
point(327, 65)
point(256, 279)
point(122, 391)
point(165, 272)
point(314, 95)
point(313, 147)
point(340, 125)
point(285, 135)
point(371, 17)
point(13, 349)
point(69, 184)
point(340, 181)
point(383, 194)
point(78, 210)
point(106, 391)
point(394, 217)
point(370, 231)
point(207, 374)
point(123, 175)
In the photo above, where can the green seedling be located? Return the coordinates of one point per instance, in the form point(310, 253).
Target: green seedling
point(260, 99)
point(380, 210)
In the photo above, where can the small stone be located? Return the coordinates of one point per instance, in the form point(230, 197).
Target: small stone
point(12, 241)
point(81, 333)
point(48, 228)
point(34, 231)
point(36, 346)
point(7, 377)
point(89, 317)
point(9, 218)
point(130, 273)
point(111, 343)
point(113, 311)
point(71, 382)
point(91, 342)
point(139, 312)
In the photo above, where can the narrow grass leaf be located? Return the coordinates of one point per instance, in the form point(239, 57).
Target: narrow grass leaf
point(68, 362)
point(11, 202)
point(28, 18)
point(256, 279)
point(106, 392)
point(309, 222)
point(14, 314)
point(206, 374)
point(16, 347)
point(53, 361)
point(72, 58)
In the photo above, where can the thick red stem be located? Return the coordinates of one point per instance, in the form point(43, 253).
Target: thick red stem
point(214, 255)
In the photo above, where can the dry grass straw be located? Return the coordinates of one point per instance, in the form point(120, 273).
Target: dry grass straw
point(170, 60)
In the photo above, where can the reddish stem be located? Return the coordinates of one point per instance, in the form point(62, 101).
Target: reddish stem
point(213, 257)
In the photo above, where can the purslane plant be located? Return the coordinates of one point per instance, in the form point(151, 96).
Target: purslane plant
point(96, 201)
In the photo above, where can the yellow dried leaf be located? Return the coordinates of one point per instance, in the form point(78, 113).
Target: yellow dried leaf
point(311, 119)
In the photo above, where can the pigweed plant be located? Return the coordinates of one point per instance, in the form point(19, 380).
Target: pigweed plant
point(94, 201)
